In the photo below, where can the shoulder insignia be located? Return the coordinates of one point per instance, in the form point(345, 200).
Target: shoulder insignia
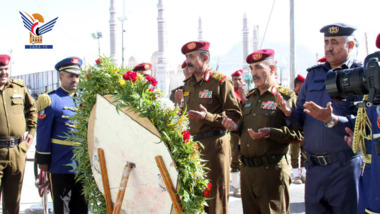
point(314, 67)
point(43, 101)
point(218, 76)
point(252, 91)
point(19, 82)
point(285, 91)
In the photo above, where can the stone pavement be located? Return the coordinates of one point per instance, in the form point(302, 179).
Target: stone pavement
point(31, 201)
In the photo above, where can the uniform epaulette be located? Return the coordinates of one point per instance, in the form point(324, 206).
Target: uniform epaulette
point(218, 76)
point(314, 66)
point(285, 91)
point(18, 82)
point(43, 101)
point(250, 92)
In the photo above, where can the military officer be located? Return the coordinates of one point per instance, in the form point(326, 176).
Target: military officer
point(265, 138)
point(238, 82)
point(333, 170)
point(17, 111)
point(176, 95)
point(208, 95)
point(144, 68)
point(54, 150)
point(296, 149)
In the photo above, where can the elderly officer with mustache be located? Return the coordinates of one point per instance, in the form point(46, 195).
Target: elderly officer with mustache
point(333, 170)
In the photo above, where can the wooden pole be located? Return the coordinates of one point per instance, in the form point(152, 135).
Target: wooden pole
point(106, 184)
point(123, 185)
point(168, 183)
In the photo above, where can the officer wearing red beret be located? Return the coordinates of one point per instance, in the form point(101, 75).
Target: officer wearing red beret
point(144, 69)
point(208, 95)
point(238, 82)
point(17, 112)
point(176, 95)
point(265, 138)
point(297, 149)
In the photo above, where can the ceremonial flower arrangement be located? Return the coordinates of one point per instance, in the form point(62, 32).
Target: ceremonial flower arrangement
point(136, 93)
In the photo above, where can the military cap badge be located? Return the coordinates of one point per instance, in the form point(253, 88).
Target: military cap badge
point(191, 45)
point(257, 56)
point(334, 30)
point(75, 61)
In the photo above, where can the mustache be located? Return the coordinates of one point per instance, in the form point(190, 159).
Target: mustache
point(255, 77)
point(190, 65)
point(329, 52)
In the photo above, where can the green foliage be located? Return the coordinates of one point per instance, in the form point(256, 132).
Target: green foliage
point(140, 97)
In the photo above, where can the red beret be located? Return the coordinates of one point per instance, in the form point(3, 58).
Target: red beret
point(4, 59)
point(323, 59)
point(195, 46)
point(143, 67)
point(184, 64)
point(260, 55)
point(237, 73)
point(300, 77)
point(378, 41)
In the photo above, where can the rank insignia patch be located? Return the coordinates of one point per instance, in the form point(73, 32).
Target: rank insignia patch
point(186, 93)
point(41, 114)
point(271, 105)
point(205, 94)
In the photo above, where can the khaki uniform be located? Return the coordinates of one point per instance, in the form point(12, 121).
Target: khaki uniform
point(17, 111)
point(216, 94)
point(235, 142)
point(265, 174)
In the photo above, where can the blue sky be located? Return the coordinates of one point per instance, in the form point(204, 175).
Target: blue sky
point(222, 27)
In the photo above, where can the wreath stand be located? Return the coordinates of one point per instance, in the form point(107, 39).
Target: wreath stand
point(114, 208)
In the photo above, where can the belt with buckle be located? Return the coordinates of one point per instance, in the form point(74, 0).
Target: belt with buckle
point(9, 142)
point(324, 159)
point(208, 134)
point(262, 160)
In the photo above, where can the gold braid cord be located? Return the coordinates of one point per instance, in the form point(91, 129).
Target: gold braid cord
point(358, 143)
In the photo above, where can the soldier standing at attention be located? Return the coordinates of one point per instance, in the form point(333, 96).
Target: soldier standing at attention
point(238, 81)
point(17, 111)
point(332, 169)
point(265, 138)
point(54, 151)
point(208, 95)
point(296, 149)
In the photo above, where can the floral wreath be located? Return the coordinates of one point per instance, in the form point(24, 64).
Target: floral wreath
point(137, 93)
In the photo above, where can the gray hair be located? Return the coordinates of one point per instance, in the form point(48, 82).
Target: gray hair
point(204, 53)
point(355, 49)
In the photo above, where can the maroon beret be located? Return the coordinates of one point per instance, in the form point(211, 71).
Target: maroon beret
point(195, 46)
point(143, 67)
point(4, 59)
point(237, 73)
point(378, 41)
point(260, 55)
point(321, 60)
point(184, 64)
point(300, 77)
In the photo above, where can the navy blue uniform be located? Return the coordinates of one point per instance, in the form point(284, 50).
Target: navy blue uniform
point(332, 169)
point(369, 200)
point(54, 148)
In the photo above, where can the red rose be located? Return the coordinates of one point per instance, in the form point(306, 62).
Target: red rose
point(130, 76)
point(151, 89)
point(151, 80)
point(81, 105)
point(186, 136)
point(206, 193)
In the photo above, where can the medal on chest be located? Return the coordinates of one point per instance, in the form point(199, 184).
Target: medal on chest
point(270, 105)
point(205, 94)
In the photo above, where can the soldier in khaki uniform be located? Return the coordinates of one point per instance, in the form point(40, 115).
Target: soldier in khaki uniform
point(17, 111)
point(176, 95)
point(265, 138)
point(208, 95)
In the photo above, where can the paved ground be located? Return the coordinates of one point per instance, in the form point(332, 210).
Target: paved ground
point(31, 202)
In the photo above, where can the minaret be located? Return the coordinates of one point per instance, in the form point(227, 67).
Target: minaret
point(245, 42)
point(161, 67)
point(200, 37)
point(256, 38)
point(112, 31)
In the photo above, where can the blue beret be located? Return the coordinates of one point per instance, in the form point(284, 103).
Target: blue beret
point(338, 29)
point(70, 65)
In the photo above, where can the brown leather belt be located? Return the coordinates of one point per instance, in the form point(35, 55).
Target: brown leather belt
point(9, 142)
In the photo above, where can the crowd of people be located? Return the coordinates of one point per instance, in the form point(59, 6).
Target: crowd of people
point(245, 134)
